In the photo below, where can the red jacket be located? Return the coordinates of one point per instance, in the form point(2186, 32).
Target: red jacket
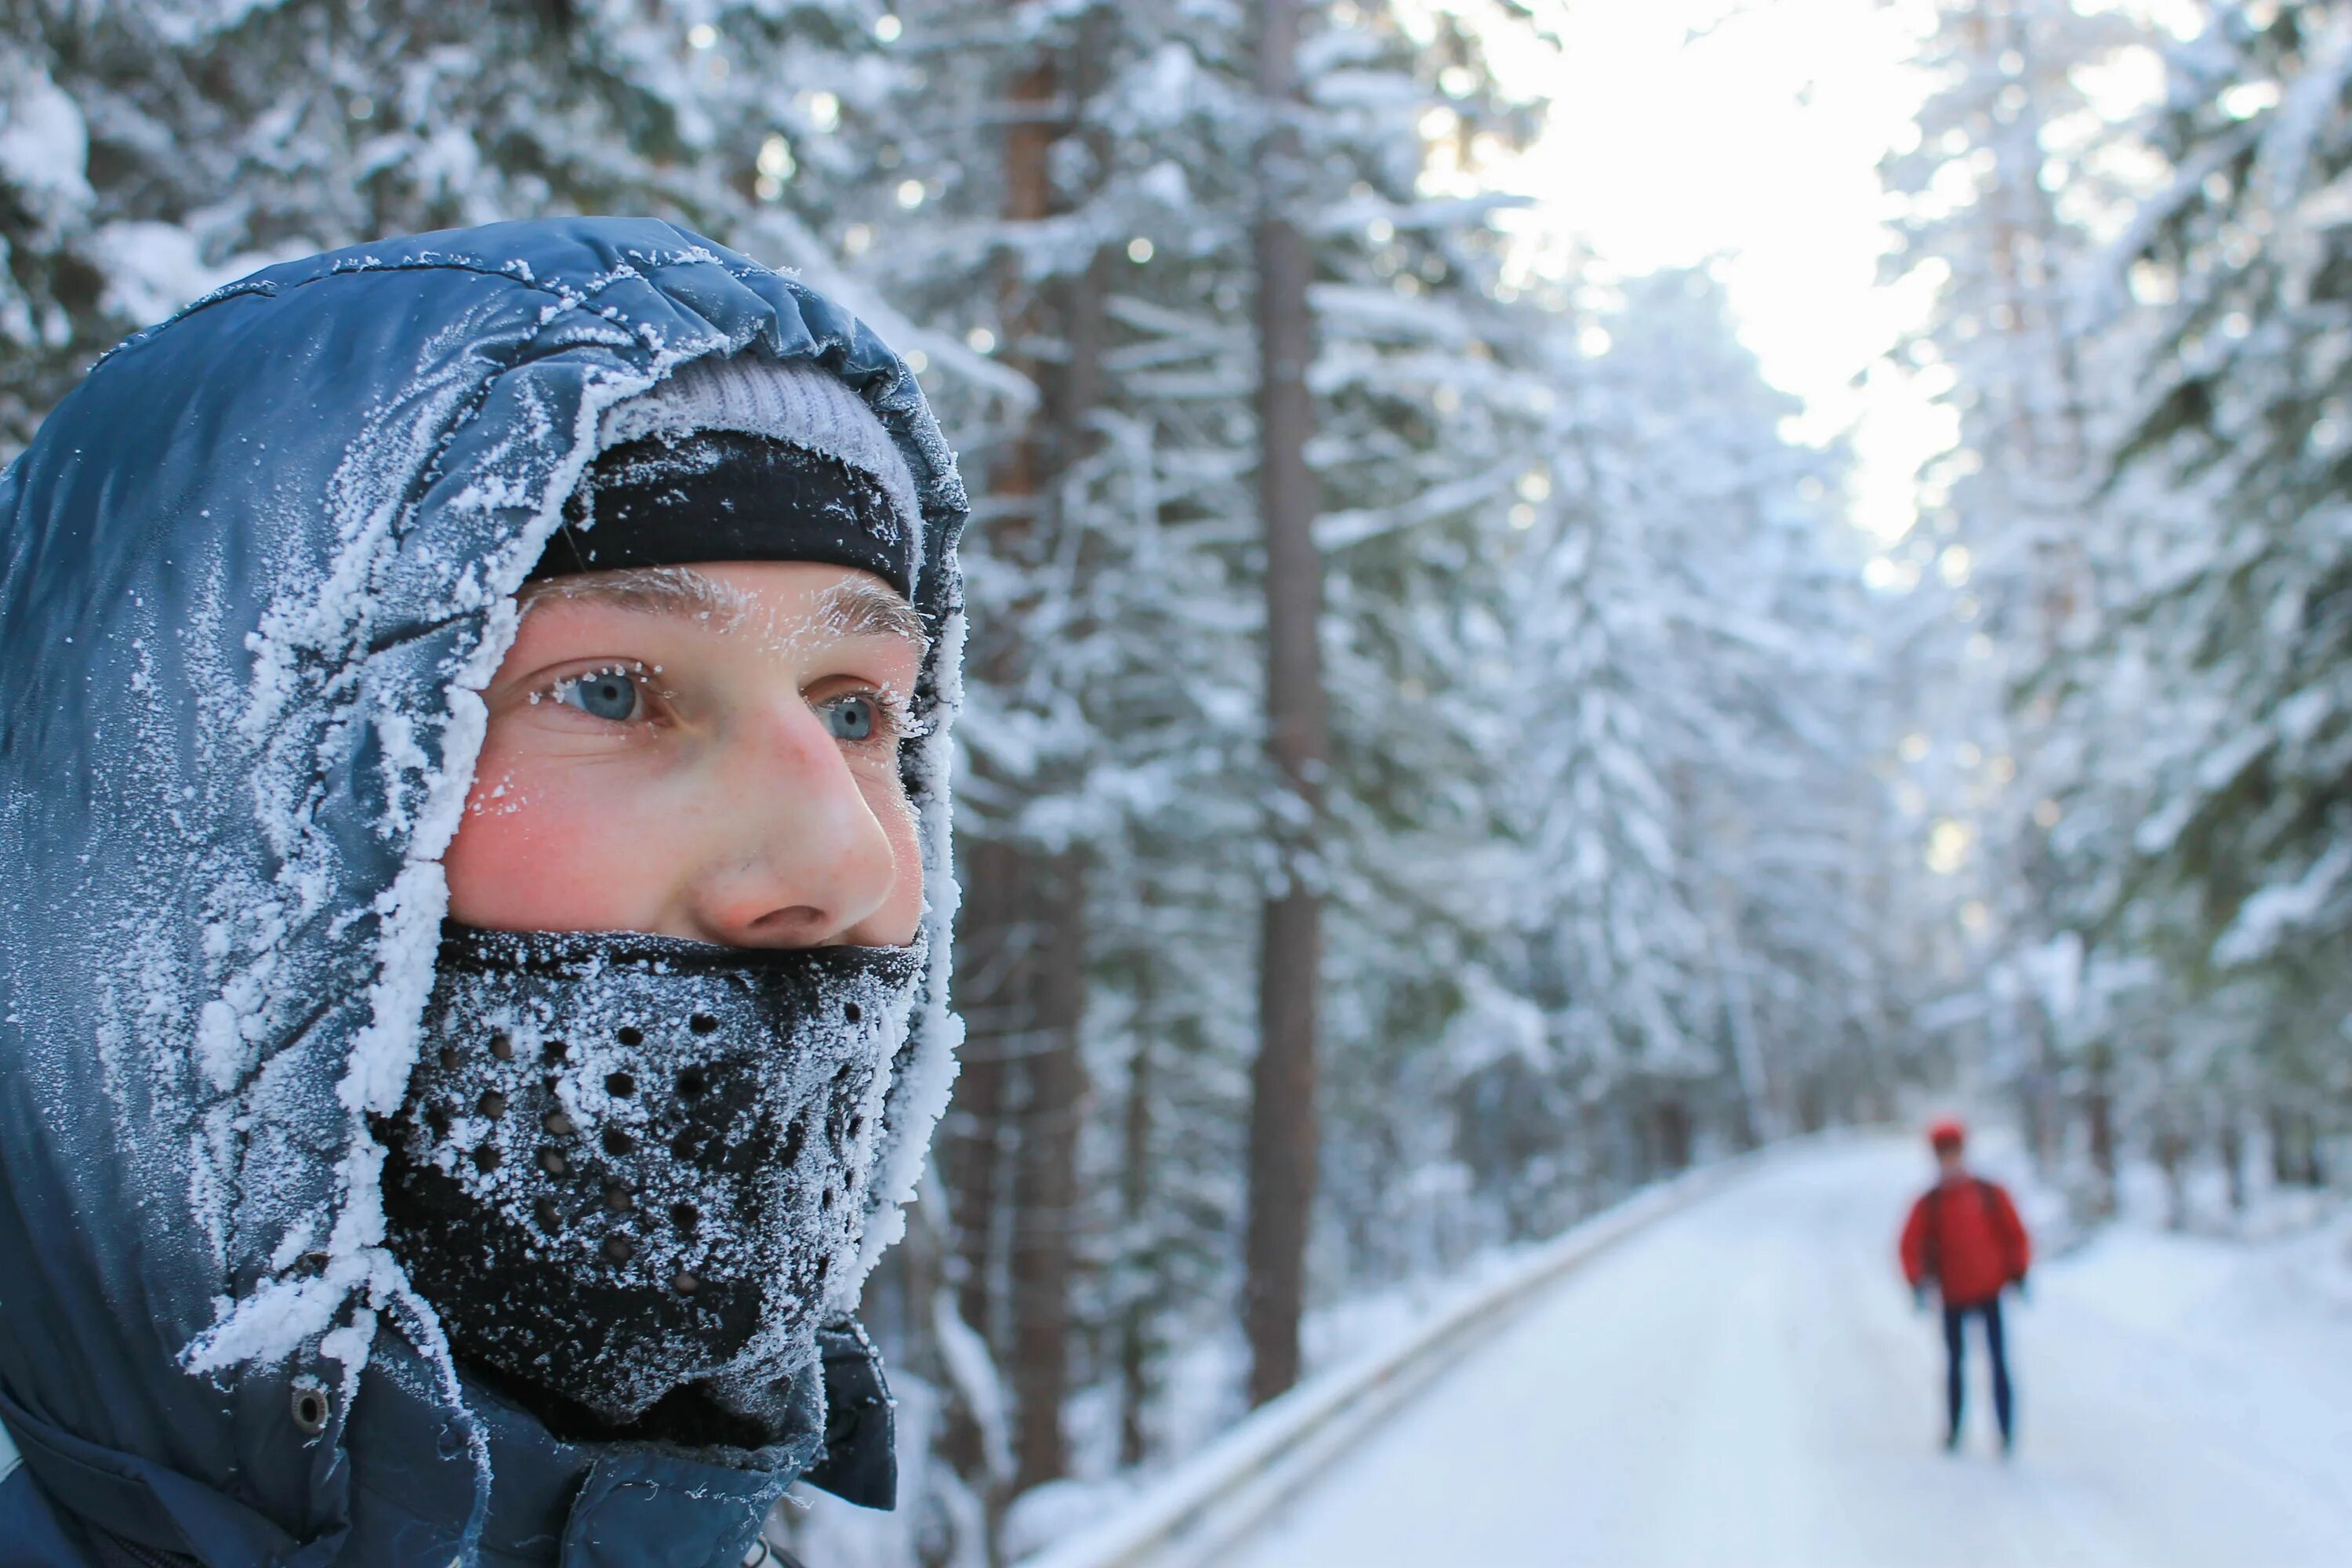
point(1965, 1235)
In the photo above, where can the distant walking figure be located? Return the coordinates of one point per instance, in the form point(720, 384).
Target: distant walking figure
point(1965, 1237)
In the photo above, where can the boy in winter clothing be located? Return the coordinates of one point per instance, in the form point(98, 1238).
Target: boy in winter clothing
point(1964, 1237)
point(475, 1002)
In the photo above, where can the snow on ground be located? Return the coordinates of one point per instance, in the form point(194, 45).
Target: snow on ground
point(1746, 1383)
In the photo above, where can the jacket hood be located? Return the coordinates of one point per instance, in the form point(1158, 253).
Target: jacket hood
point(258, 567)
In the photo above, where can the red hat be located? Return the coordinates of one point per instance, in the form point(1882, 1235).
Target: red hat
point(1946, 1134)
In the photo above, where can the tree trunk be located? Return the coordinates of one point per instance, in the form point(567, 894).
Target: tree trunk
point(1053, 963)
point(973, 1137)
point(1134, 1194)
point(2099, 1116)
point(1283, 1123)
point(1760, 1117)
point(2172, 1159)
point(2045, 1128)
point(2232, 1149)
point(1674, 1125)
point(1045, 1207)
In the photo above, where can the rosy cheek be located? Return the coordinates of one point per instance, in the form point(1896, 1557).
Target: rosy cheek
point(514, 864)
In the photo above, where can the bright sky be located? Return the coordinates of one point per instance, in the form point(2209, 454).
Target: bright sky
point(1757, 142)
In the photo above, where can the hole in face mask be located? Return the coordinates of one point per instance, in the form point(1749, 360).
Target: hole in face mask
point(619, 1249)
point(618, 1198)
point(437, 1122)
point(486, 1158)
point(501, 1046)
point(683, 1146)
point(448, 1059)
point(492, 1104)
point(849, 1010)
point(550, 1217)
point(617, 1142)
point(684, 1284)
point(686, 1217)
point(552, 1053)
point(831, 1198)
point(630, 1035)
point(823, 1267)
point(552, 1161)
point(557, 1124)
point(620, 1085)
point(702, 1024)
point(794, 1136)
point(692, 1082)
point(856, 1126)
point(310, 1406)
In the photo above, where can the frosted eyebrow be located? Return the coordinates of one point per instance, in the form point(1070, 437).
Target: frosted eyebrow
point(679, 591)
point(861, 607)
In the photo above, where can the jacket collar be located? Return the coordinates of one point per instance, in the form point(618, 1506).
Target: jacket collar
point(414, 1496)
point(550, 1504)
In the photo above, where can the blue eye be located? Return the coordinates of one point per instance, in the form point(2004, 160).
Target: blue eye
point(851, 718)
point(608, 694)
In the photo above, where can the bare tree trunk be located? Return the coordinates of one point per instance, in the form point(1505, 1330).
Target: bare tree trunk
point(1046, 1217)
point(1045, 1209)
point(2045, 1128)
point(1283, 1123)
point(1760, 1117)
point(2232, 1149)
point(1134, 1192)
point(973, 1138)
point(1674, 1125)
point(2099, 1115)
point(2295, 1157)
point(2172, 1159)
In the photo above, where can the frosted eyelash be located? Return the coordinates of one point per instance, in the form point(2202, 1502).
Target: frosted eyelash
point(897, 715)
point(639, 675)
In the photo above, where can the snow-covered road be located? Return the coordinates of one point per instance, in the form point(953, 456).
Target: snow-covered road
point(1746, 1383)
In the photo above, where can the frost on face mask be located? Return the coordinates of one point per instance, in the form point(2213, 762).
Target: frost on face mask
point(631, 1173)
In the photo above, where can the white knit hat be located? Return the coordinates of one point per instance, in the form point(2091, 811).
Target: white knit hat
point(795, 401)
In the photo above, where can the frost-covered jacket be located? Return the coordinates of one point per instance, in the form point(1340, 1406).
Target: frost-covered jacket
point(255, 568)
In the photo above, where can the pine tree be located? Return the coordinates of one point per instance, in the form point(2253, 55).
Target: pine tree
point(2229, 868)
point(2012, 188)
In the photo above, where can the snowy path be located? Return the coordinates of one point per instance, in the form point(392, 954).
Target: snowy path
point(1744, 1385)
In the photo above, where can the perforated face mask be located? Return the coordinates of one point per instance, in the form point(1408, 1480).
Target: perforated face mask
point(628, 1167)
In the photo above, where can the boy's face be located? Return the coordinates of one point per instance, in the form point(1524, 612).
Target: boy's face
point(706, 752)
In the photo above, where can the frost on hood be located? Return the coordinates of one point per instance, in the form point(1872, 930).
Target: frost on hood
point(233, 776)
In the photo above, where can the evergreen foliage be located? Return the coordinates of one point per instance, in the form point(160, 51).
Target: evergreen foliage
point(1610, 884)
point(2148, 351)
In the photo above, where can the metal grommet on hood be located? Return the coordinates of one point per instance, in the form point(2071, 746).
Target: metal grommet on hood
point(311, 1405)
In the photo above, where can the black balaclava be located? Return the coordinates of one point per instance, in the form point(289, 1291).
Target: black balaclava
point(627, 1166)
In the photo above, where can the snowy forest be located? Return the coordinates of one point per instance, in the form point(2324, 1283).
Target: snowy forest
point(1440, 754)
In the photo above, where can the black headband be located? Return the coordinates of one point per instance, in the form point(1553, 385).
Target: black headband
point(722, 495)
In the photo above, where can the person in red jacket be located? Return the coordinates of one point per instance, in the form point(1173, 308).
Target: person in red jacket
point(1965, 1237)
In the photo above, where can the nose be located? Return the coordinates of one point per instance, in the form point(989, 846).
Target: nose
point(796, 857)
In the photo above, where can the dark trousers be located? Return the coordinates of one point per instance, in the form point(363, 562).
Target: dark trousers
point(1956, 1319)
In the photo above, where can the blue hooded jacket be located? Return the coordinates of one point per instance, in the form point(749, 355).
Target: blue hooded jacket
point(256, 568)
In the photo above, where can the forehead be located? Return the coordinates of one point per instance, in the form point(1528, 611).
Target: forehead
point(799, 595)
